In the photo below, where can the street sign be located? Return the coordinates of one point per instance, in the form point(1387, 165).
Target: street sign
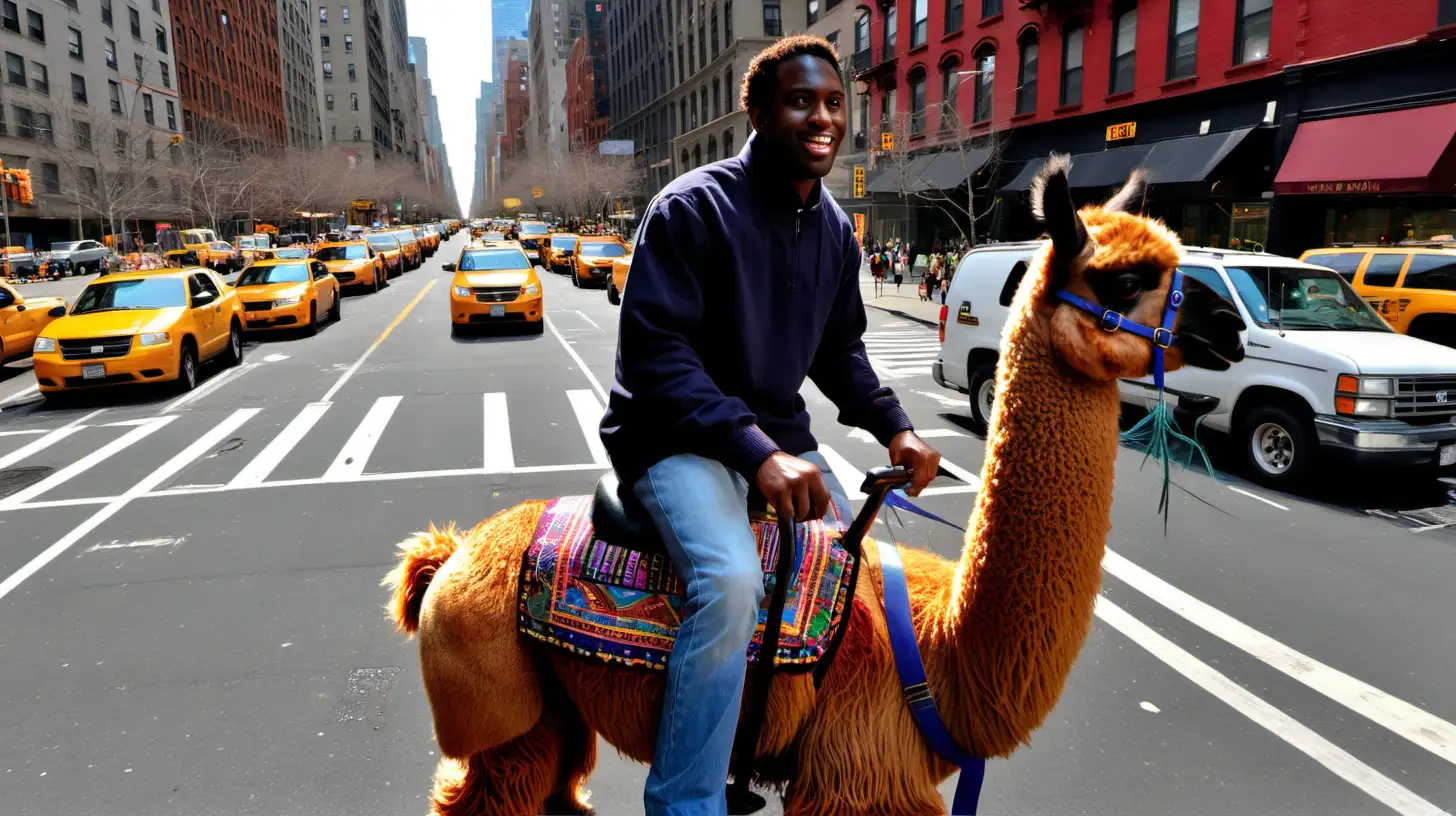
point(511, 203)
point(887, 141)
point(859, 181)
point(538, 192)
point(859, 226)
point(1126, 130)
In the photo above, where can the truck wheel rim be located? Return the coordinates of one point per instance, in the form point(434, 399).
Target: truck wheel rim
point(986, 398)
point(1273, 448)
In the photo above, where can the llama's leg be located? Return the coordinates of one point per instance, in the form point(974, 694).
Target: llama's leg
point(579, 757)
point(518, 778)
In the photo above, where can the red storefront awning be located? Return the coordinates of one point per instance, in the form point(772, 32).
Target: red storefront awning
point(1404, 151)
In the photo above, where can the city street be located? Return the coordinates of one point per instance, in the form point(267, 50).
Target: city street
point(193, 619)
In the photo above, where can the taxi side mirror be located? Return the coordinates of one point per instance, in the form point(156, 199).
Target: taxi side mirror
point(57, 311)
point(449, 267)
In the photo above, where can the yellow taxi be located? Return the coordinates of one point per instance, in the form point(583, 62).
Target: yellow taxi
point(531, 234)
point(592, 263)
point(431, 234)
point(252, 248)
point(426, 244)
point(1412, 287)
point(21, 319)
point(292, 253)
point(559, 248)
point(495, 284)
point(354, 264)
point(141, 327)
point(617, 283)
point(287, 294)
point(409, 244)
point(387, 247)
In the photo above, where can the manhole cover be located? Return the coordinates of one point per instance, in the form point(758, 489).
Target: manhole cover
point(15, 480)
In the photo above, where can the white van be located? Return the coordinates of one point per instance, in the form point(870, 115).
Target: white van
point(1324, 376)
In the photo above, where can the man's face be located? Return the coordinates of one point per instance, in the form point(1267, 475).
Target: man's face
point(805, 122)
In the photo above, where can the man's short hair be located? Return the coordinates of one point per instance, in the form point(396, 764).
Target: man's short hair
point(761, 80)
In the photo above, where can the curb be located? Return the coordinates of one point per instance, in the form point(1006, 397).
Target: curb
point(934, 324)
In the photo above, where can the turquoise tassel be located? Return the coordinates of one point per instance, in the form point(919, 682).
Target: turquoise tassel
point(1155, 433)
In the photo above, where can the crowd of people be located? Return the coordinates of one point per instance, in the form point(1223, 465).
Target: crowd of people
point(895, 261)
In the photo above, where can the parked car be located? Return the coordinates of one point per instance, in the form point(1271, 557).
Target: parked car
point(22, 319)
point(592, 263)
point(288, 294)
point(1325, 377)
point(1412, 287)
point(80, 257)
point(387, 246)
point(354, 264)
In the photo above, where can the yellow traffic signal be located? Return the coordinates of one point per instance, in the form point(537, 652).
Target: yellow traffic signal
point(887, 141)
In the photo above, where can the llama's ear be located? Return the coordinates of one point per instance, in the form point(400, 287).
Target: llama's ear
point(1051, 203)
point(1132, 195)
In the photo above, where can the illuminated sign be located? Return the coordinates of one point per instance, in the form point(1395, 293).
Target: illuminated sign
point(887, 141)
point(859, 226)
point(1126, 130)
point(859, 181)
point(1342, 187)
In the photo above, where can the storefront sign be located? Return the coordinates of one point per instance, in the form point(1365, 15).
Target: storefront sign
point(887, 141)
point(859, 226)
point(1126, 130)
point(1342, 187)
point(859, 181)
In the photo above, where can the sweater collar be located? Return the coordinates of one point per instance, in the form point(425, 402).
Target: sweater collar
point(768, 181)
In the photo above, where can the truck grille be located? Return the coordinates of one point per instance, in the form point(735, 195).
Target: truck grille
point(1425, 399)
point(95, 348)
point(496, 294)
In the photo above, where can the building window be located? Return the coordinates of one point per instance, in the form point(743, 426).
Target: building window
point(985, 84)
point(1251, 30)
point(329, 101)
point(950, 86)
point(171, 115)
point(917, 102)
point(344, 13)
point(1072, 64)
point(715, 31)
point(772, 25)
point(955, 11)
point(353, 101)
point(698, 155)
point(323, 41)
point(1446, 13)
point(74, 39)
point(11, 17)
point(358, 134)
point(728, 143)
point(813, 12)
point(78, 88)
point(148, 113)
point(728, 22)
point(40, 78)
point(166, 73)
point(135, 18)
point(683, 115)
point(1026, 73)
point(44, 131)
point(50, 178)
point(106, 13)
point(109, 52)
point(83, 135)
point(328, 69)
point(1124, 49)
point(990, 8)
point(712, 148)
point(113, 90)
point(920, 22)
point(141, 66)
point(717, 99)
point(24, 122)
point(161, 35)
point(323, 14)
point(892, 26)
point(353, 75)
point(1183, 39)
point(35, 25)
point(348, 43)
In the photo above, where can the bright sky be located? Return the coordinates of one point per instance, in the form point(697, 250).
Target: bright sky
point(459, 38)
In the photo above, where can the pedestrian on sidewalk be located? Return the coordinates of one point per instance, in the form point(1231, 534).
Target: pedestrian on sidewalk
point(877, 271)
point(899, 262)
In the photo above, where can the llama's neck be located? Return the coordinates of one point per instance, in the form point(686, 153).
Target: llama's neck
point(1022, 599)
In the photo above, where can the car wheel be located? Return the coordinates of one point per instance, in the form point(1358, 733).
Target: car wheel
point(612, 296)
point(539, 327)
point(983, 394)
point(187, 367)
point(234, 353)
point(313, 323)
point(337, 313)
point(1279, 446)
point(575, 279)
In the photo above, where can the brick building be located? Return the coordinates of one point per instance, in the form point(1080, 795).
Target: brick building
point(1207, 94)
point(517, 103)
point(228, 70)
point(586, 96)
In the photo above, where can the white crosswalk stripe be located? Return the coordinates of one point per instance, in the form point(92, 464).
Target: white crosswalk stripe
point(902, 352)
point(350, 462)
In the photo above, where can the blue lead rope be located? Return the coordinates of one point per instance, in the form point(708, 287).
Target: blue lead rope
point(916, 686)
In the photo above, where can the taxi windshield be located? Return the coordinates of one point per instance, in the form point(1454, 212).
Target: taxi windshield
point(141, 293)
point(383, 242)
point(487, 260)
point(292, 253)
point(533, 229)
point(281, 273)
point(563, 241)
point(351, 252)
point(603, 249)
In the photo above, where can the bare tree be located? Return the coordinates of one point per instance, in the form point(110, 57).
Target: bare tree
point(108, 164)
point(973, 155)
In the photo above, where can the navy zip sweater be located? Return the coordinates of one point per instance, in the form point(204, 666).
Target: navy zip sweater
point(738, 293)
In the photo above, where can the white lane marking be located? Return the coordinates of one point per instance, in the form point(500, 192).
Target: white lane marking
point(352, 458)
point(1147, 706)
point(149, 483)
point(81, 421)
point(147, 543)
point(19, 396)
point(29, 431)
point(972, 480)
point(36, 446)
point(388, 330)
point(1425, 730)
point(275, 358)
point(499, 456)
point(1257, 497)
point(849, 477)
point(222, 378)
point(924, 433)
point(272, 454)
point(86, 462)
point(949, 402)
point(576, 358)
point(127, 423)
point(1339, 762)
point(1431, 527)
point(587, 319)
point(589, 416)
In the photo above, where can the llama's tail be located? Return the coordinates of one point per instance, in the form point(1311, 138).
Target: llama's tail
point(420, 556)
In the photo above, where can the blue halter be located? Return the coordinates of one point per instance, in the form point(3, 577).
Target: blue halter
point(1161, 337)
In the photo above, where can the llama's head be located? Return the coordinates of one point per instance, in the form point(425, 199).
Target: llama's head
point(1122, 261)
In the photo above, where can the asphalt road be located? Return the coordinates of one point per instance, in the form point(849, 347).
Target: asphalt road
point(192, 614)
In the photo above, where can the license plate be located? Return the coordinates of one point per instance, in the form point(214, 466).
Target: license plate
point(1447, 454)
point(98, 372)
point(497, 311)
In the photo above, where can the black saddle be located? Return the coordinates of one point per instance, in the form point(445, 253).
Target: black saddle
point(618, 517)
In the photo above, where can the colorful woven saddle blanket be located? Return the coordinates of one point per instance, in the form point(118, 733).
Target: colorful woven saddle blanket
point(609, 601)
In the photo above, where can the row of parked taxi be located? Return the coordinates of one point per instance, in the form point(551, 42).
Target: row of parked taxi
point(160, 325)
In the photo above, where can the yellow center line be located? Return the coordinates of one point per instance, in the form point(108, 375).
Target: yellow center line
point(399, 318)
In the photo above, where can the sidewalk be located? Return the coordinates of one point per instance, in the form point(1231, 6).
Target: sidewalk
point(905, 303)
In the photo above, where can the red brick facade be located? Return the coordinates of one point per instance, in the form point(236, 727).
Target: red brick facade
point(583, 85)
point(228, 68)
point(517, 92)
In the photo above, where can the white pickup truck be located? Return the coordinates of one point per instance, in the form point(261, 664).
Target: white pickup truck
point(1324, 376)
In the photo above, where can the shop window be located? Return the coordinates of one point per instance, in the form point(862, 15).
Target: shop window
point(920, 22)
point(985, 83)
point(1343, 264)
point(1251, 30)
point(772, 23)
point(1124, 49)
point(1183, 39)
point(954, 12)
point(1383, 270)
point(1249, 226)
point(1431, 272)
point(917, 102)
point(1026, 72)
point(1072, 39)
point(990, 8)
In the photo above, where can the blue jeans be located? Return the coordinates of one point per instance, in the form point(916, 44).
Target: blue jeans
point(700, 507)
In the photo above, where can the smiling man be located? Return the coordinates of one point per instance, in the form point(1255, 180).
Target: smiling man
point(744, 283)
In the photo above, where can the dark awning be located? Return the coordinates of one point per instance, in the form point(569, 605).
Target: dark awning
point(898, 176)
point(1174, 161)
point(950, 168)
point(1402, 151)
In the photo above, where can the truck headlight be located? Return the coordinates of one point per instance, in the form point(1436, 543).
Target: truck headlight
point(1372, 408)
point(530, 290)
point(43, 345)
point(462, 291)
point(152, 339)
